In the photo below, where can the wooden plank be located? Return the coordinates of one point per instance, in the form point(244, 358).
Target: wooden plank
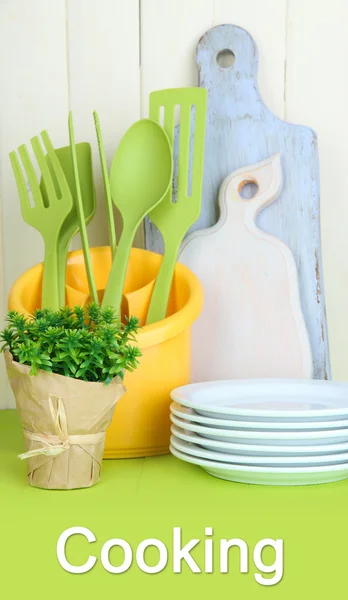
point(34, 96)
point(104, 75)
point(316, 94)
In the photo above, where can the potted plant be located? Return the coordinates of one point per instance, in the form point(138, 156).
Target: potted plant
point(66, 370)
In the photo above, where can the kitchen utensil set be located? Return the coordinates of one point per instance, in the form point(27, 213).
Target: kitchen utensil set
point(140, 178)
point(267, 431)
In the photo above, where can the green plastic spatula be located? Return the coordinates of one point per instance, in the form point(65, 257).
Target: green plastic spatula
point(70, 226)
point(173, 219)
point(81, 215)
point(140, 176)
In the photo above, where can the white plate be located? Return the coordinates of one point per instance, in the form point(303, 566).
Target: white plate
point(265, 399)
point(269, 461)
point(267, 475)
point(304, 438)
point(190, 415)
point(257, 450)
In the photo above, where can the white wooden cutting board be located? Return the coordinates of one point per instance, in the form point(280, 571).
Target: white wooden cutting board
point(242, 131)
point(252, 323)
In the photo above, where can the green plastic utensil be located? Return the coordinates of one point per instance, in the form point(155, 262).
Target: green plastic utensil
point(81, 215)
point(47, 219)
point(70, 226)
point(110, 213)
point(141, 174)
point(173, 219)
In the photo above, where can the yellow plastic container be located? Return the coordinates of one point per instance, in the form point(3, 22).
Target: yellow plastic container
point(141, 425)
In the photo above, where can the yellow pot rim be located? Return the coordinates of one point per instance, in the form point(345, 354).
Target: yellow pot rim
point(149, 335)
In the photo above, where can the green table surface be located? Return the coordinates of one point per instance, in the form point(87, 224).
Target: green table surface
point(145, 498)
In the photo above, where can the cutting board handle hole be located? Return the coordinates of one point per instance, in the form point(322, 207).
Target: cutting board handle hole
point(225, 58)
point(248, 189)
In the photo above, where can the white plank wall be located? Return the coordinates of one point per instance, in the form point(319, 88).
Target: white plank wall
point(34, 96)
point(103, 72)
point(317, 95)
point(85, 55)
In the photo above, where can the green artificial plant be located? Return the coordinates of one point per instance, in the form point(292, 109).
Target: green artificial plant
point(88, 343)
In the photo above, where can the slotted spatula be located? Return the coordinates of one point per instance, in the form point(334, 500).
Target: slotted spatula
point(173, 219)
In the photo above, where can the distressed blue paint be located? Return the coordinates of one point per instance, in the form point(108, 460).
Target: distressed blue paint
point(241, 131)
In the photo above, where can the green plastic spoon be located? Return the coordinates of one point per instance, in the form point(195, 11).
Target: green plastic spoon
point(70, 226)
point(141, 174)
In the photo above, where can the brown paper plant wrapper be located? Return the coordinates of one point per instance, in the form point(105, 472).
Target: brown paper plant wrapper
point(64, 422)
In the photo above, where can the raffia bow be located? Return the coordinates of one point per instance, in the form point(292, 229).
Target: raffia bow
point(55, 444)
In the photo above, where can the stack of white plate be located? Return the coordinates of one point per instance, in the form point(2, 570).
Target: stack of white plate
point(268, 431)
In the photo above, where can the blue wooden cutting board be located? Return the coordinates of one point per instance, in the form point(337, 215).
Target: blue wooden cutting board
point(242, 131)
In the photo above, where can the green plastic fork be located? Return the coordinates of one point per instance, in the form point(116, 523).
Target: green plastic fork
point(49, 219)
